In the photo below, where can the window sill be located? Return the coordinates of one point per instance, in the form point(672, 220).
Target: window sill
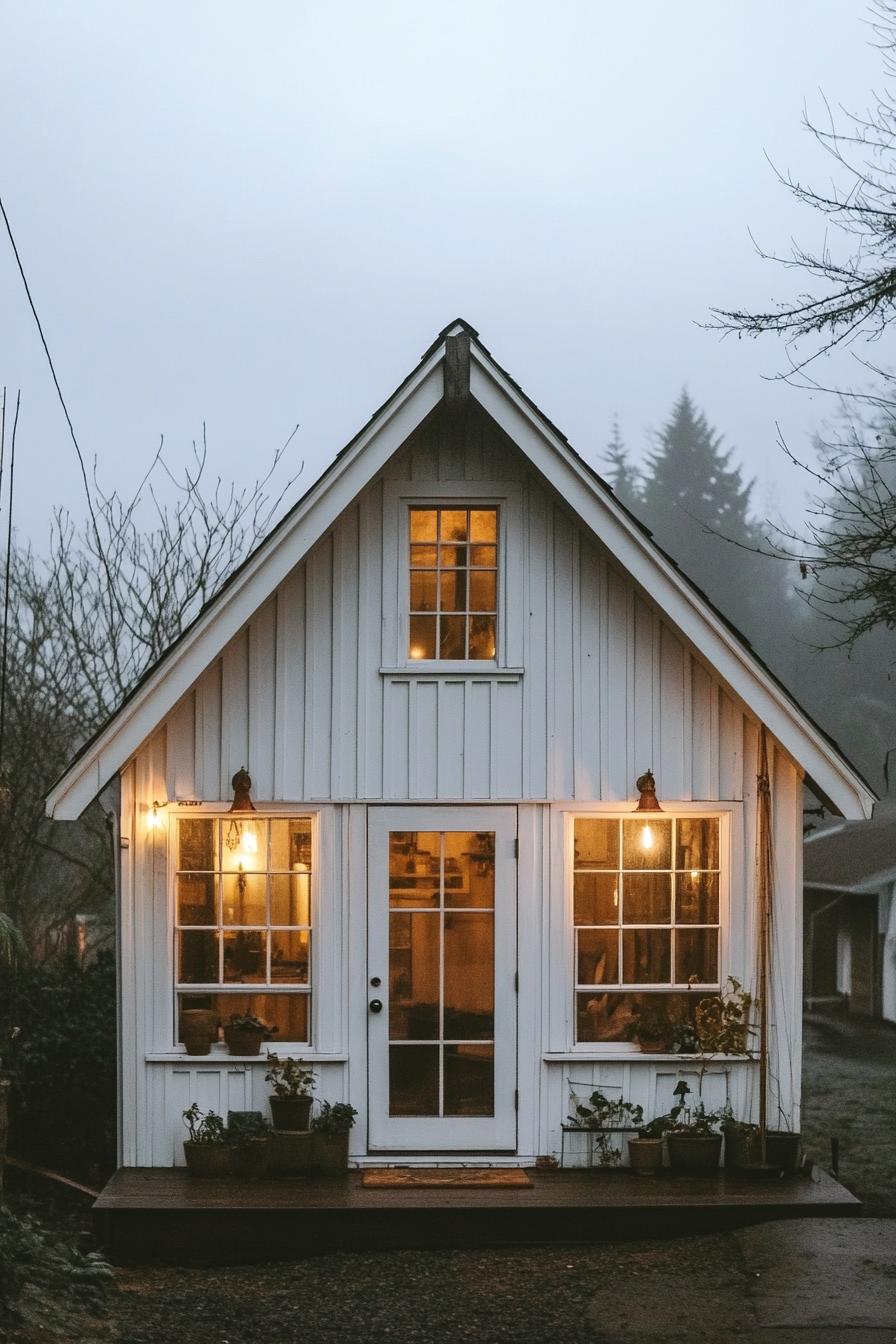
point(586, 1056)
point(223, 1056)
point(482, 671)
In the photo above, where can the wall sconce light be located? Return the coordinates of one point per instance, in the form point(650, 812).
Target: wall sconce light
point(647, 802)
point(240, 837)
point(153, 820)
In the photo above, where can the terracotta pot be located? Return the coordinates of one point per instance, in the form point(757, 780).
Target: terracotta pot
point(208, 1159)
point(782, 1150)
point(645, 1155)
point(694, 1152)
point(196, 1044)
point(243, 1041)
point(291, 1112)
point(252, 1157)
point(291, 1150)
point(652, 1046)
point(330, 1151)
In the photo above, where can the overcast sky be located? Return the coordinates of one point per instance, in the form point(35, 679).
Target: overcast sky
point(258, 214)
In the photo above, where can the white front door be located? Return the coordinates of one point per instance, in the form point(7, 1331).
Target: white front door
point(442, 979)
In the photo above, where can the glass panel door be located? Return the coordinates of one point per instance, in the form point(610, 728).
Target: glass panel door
point(442, 1046)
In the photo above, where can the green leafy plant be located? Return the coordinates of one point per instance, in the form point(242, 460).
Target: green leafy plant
point(696, 1121)
point(722, 1020)
point(208, 1128)
point(334, 1118)
point(243, 1126)
point(246, 1022)
point(655, 1128)
point(602, 1115)
point(31, 1254)
point(289, 1077)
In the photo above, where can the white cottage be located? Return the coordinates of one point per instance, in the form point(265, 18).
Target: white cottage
point(445, 671)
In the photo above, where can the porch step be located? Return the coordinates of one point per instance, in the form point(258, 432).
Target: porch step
point(166, 1216)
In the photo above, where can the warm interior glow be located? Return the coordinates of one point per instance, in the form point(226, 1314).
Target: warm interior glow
point(646, 837)
point(417, 651)
point(249, 845)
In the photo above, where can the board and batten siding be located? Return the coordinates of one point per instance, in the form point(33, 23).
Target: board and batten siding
point(605, 689)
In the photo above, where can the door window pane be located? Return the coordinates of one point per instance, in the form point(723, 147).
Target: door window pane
point(469, 1080)
point(413, 1079)
point(441, 972)
point(469, 970)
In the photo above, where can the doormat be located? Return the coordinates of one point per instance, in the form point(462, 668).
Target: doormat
point(430, 1178)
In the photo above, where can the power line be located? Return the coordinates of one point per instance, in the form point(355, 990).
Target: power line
point(68, 419)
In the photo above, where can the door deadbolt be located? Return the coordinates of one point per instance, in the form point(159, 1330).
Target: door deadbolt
point(376, 1005)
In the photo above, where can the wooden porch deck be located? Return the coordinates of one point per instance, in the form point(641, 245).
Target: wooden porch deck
point(165, 1215)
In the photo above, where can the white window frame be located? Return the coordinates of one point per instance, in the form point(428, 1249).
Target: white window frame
point(566, 942)
point(280, 812)
point(398, 500)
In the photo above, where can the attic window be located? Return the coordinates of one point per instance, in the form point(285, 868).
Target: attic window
point(453, 583)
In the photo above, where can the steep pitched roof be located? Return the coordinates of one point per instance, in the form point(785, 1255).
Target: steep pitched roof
point(855, 857)
point(584, 491)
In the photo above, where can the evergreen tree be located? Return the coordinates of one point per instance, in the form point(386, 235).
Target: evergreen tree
point(692, 489)
point(624, 478)
point(697, 505)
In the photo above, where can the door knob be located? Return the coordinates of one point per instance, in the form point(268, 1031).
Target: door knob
point(376, 1005)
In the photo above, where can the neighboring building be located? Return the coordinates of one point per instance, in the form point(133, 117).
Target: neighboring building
point(849, 926)
point(445, 670)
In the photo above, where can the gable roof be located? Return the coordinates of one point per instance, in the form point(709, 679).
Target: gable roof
point(852, 857)
point(583, 490)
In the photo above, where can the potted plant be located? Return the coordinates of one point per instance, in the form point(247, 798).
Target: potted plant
point(293, 1083)
point(783, 1149)
point(645, 1152)
point(250, 1137)
point(198, 1029)
point(695, 1143)
point(245, 1033)
point(207, 1150)
point(743, 1143)
point(331, 1129)
point(604, 1116)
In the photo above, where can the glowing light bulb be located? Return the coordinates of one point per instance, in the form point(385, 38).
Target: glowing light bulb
point(646, 838)
point(417, 651)
point(153, 820)
point(695, 873)
point(249, 844)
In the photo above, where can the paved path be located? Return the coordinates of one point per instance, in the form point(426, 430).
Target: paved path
point(812, 1281)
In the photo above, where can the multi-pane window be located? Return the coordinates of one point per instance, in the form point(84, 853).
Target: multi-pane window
point(453, 583)
point(243, 919)
point(646, 916)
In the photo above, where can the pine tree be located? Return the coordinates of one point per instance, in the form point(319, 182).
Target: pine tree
point(692, 490)
point(697, 506)
point(624, 478)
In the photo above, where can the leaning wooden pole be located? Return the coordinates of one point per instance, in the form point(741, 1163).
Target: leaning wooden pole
point(764, 874)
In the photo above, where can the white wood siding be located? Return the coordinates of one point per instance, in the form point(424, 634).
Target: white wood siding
point(607, 689)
